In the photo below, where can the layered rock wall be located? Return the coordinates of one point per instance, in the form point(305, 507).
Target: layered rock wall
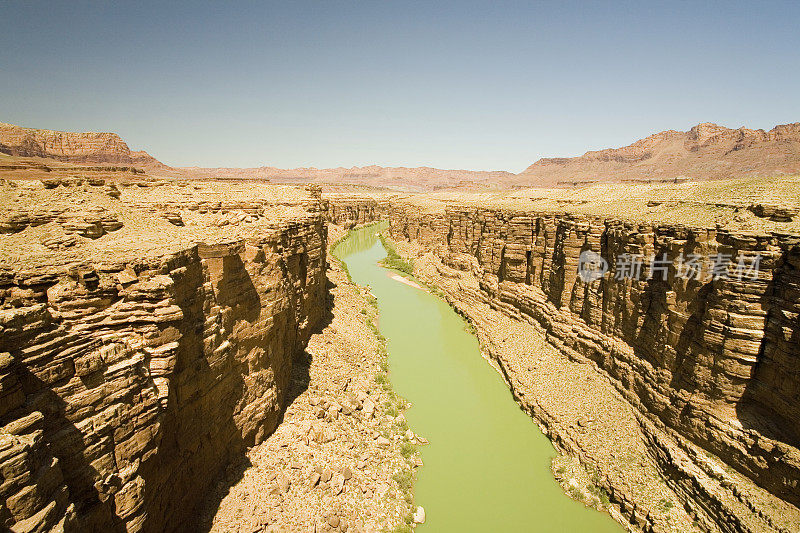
point(88, 147)
point(125, 388)
point(713, 359)
point(349, 212)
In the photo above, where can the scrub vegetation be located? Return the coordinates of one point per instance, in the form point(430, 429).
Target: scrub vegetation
point(394, 260)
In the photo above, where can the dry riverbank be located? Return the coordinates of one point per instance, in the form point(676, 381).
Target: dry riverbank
point(613, 458)
point(338, 461)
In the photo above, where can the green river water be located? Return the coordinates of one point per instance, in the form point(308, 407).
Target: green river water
point(487, 467)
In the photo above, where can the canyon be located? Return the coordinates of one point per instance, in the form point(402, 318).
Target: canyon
point(380, 267)
point(707, 365)
point(176, 350)
point(149, 335)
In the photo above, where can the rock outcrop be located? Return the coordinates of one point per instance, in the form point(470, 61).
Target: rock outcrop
point(73, 147)
point(712, 361)
point(350, 211)
point(127, 385)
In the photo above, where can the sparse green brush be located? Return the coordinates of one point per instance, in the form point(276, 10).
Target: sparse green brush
point(398, 264)
point(407, 449)
point(393, 260)
point(374, 329)
point(405, 482)
point(600, 492)
point(404, 479)
point(404, 527)
point(576, 494)
point(436, 291)
point(342, 264)
point(380, 378)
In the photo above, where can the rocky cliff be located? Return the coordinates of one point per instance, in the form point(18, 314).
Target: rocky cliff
point(129, 380)
point(706, 151)
point(710, 361)
point(86, 147)
point(349, 211)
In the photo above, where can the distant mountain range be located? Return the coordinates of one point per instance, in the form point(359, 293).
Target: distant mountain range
point(707, 151)
point(422, 178)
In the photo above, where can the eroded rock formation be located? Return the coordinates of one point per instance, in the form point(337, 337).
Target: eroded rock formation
point(349, 211)
point(711, 360)
point(86, 147)
point(126, 385)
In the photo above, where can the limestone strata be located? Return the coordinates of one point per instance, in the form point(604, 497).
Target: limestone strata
point(89, 147)
point(353, 211)
point(92, 223)
point(125, 388)
point(712, 363)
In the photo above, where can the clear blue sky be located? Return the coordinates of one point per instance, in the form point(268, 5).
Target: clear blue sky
point(448, 84)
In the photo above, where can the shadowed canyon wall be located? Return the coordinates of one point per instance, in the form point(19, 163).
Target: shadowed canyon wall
point(349, 212)
point(714, 360)
point(125, 388)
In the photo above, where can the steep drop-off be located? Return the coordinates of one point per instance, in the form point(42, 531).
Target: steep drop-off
point(126, 385)
point(711, 362)
point(350, 211)
point(86, 147)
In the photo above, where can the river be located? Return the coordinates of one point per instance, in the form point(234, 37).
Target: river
point(487, 467)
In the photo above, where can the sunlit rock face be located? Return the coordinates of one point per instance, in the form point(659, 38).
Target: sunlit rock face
point(127, 382)
point(352, 211)
point(88, 147)
point(714, 359)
